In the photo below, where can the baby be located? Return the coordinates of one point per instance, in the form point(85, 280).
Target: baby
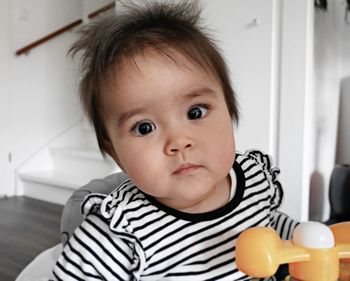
point(158, 94)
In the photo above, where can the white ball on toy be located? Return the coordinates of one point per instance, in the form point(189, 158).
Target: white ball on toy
point(313, 235)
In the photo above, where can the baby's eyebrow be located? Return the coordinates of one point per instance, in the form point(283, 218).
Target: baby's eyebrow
point(205, 91)
point(128, 114)
point(200, 92)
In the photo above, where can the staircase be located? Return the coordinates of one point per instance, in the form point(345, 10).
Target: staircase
point(68, 167)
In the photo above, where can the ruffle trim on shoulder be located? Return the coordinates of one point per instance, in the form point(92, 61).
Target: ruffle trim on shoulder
point(271, 173)
point(112, 207)
point(92, 203)
point(104, 204)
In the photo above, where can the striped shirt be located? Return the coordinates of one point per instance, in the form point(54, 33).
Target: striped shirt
point(128, 235)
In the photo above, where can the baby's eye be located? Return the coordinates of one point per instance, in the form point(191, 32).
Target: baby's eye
point(197, 112)
point(143, 128)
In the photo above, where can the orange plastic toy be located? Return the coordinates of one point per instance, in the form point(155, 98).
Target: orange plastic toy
point(315, 253)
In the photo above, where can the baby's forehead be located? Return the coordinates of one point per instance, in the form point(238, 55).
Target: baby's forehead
point(158, 70)
point(135, 62)
point(153, 76)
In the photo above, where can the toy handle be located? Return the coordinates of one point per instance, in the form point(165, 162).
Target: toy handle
point(260, 251)
point(314, 254)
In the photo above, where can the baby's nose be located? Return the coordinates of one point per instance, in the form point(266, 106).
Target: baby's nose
point(179, 143)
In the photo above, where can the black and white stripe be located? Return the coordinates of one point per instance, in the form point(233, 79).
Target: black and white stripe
point(128, 235)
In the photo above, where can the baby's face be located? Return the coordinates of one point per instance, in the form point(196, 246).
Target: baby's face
point(169, 125)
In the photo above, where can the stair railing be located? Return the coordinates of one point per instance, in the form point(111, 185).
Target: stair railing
point(26, 49)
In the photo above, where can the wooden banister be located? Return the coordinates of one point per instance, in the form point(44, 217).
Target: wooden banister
point(26, 49)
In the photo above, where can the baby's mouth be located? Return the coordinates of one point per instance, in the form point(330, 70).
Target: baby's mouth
point(186, 169)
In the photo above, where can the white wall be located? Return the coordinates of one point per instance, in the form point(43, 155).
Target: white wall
point(332, 63)
point(42, 85)
point(6, 178)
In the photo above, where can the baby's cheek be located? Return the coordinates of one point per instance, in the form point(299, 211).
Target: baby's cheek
point(144, 169)
point(226, 151)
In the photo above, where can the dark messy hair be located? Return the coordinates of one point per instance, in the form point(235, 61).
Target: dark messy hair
point(159, 26)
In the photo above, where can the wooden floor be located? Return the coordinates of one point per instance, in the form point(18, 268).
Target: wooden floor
point(27, 227)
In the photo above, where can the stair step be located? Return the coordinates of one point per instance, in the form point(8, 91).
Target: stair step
point(87, 153)
point(83, 161)
point(51, 186)
point(53, 178)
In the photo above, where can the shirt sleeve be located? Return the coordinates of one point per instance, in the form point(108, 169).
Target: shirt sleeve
point(94, 252)
point(271, 174)
point(282, 223)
